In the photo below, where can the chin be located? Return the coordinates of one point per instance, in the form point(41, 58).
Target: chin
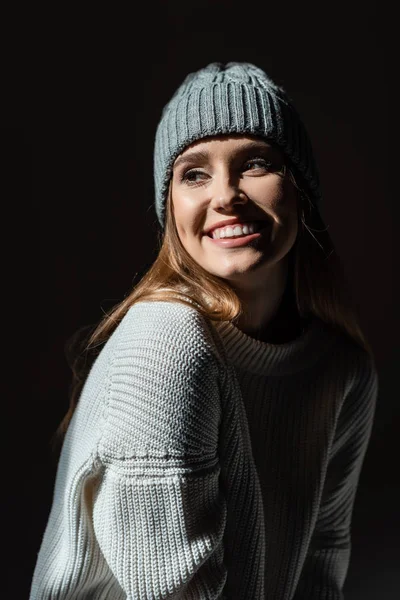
point(238, 275)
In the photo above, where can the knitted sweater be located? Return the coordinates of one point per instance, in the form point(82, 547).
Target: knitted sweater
point(201, 463)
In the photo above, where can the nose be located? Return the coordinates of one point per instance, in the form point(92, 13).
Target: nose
point(225, 194)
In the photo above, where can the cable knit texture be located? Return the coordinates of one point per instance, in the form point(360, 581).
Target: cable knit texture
point(202, 464)
point(232, 98)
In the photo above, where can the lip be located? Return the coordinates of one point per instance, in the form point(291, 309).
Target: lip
point(235, 242)
point(232, 221)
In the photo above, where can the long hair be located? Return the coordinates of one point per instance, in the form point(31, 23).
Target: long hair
point(318, 282)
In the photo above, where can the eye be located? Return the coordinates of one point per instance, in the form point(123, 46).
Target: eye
point(193, 176)
point(258, 163)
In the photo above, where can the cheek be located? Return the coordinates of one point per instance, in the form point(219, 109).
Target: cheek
point(179, 210)
point(286, 200)
point(280, 200)
point(189, 216)
point(184, 217)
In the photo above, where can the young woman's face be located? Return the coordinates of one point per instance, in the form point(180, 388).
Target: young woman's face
point(235, 211)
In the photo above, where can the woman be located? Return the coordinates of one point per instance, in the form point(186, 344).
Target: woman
point(218, 440)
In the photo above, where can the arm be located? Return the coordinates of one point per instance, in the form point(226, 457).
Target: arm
point(326, 564)
point(137, 512)
point(158, 513)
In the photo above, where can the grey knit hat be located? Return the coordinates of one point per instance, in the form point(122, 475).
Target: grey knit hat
point(230, 98)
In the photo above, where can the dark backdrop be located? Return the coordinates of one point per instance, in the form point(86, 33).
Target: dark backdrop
point(84, 158)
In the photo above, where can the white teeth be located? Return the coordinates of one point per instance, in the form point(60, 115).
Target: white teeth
point(237, 230)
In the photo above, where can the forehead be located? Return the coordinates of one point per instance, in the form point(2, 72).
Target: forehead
point(227, 143)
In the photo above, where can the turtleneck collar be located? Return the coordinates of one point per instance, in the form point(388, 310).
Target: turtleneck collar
point(265, 358)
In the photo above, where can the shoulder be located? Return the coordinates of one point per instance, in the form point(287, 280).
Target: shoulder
point(351, 373)
point(166, 317)
point(365, 383)
point(172, 326)
point(359, 364)
point(165, 383)
point(361, 391)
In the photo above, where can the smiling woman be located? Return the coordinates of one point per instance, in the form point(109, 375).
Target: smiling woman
point(235, 211)
point(236, 214)
point(218, 429)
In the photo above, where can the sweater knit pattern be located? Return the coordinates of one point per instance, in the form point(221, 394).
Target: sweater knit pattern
point(202, 464)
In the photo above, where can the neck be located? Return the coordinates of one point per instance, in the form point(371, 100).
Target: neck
point(269, 310)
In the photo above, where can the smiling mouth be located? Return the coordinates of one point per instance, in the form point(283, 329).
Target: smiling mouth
point(242, 240)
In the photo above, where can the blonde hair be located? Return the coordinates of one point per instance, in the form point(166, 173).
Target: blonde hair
point(318, 279)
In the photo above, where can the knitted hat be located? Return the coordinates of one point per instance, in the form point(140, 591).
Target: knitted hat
point(231, 98)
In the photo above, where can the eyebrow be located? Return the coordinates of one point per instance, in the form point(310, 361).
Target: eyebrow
point(194, 156)
point(199, 155)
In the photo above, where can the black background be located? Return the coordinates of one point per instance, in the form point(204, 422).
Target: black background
point(80, 229)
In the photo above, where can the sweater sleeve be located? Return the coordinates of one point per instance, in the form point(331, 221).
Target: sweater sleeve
point(159, 515)
point(158, 512)
point(144, 517)
point(326, 564)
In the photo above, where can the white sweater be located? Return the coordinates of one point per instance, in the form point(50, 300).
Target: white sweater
point(203, 464)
